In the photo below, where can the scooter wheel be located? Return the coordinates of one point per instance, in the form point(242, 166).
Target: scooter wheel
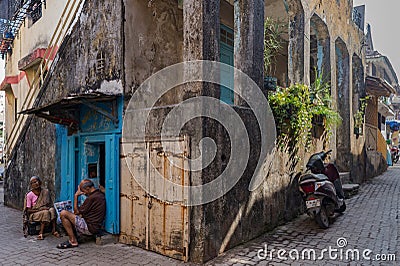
point(322, 218)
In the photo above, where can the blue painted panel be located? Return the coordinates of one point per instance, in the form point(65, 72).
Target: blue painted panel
point(91, 155)
point(226, 56)
point(320, 56)
point(98, 136)
point(93, 121)
point(61, 165)
point(68, 168)
point(112, 183)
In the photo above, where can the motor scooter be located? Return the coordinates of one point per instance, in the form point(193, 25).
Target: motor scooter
point(322, 189)
point(395, 154)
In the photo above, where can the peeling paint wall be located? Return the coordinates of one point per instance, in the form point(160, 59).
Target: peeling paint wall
point(76, 70)
point(153, 39)
point(239, 215)
point(343, 161)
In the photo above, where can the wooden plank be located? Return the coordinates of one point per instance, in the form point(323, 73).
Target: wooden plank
point(133, 200)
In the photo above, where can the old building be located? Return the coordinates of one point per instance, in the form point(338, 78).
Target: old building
point(84, 119)
point(381, 86)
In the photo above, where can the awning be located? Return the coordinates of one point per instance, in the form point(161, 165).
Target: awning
point(384, 110)
point(378, 86)
point(66, 110)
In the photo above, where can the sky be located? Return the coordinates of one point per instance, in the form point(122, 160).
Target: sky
point(383, 16)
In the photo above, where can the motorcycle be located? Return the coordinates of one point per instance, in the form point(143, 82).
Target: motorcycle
point(395, 154)
point(322, 190)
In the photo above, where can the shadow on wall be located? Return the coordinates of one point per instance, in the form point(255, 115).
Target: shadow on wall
point(248, 215)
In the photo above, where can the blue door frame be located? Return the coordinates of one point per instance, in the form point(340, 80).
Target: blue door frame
point(93, 152)
point(226, 56)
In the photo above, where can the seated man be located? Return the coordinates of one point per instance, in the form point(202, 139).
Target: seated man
point(86, 219)
point(39, 207)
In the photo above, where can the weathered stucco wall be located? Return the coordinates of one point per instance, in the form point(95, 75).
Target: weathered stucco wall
point(153, 40)
point(35, 156)
point(91, 54)
point(74, 72)
point(239, 215)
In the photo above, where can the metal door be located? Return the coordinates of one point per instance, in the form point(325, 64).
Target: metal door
point(155, 224)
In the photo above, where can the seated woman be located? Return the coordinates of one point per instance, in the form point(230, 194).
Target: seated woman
point(39, 208)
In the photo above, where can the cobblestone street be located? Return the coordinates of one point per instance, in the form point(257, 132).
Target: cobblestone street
point(371, 222)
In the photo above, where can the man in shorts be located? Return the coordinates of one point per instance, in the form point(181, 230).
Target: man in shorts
point(86, 219)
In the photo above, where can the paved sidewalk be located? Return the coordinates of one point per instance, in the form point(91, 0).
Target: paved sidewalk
point(370, 222)
point(17, 250)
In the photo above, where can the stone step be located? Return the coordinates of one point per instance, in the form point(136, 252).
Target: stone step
point(345, 177)
point(350, 190)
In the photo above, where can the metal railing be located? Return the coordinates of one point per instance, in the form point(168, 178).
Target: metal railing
point(68, 15)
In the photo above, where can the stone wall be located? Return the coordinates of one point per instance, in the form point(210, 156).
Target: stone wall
point(74, 71)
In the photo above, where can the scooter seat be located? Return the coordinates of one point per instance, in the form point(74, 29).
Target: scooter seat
point(321, 177)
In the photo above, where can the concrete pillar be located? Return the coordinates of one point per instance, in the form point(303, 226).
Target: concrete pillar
point(249, 40)
point(201, 27)
point(296, 43)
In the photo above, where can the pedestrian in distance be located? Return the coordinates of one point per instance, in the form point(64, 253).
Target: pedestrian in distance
point(88, 218)
point(38, 207)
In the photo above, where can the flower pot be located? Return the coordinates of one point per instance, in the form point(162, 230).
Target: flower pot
point(270, 83)
point(358, 130)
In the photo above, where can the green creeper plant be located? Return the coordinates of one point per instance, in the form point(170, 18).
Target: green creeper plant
point(294, 108)
point(273, 41)
point(359, 115)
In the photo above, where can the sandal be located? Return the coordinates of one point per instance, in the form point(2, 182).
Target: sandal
point(56, 234)
point(66, 244)
point(40, 237)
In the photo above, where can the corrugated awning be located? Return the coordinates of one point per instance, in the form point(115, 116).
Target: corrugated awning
point(66, 110)
point(384, 110)
point(378, 86)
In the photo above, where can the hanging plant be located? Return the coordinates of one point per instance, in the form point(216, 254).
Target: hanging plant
point(290, 107)
point(294, 108)
point(273, 42)
point(359, 115)
point(320, 93)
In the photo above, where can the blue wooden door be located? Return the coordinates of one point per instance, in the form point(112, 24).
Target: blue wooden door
point(112, 182)
point(69, 167)
point(226, 57)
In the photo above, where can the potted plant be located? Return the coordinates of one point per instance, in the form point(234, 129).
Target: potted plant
point(273, 44)
point(323, 114)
